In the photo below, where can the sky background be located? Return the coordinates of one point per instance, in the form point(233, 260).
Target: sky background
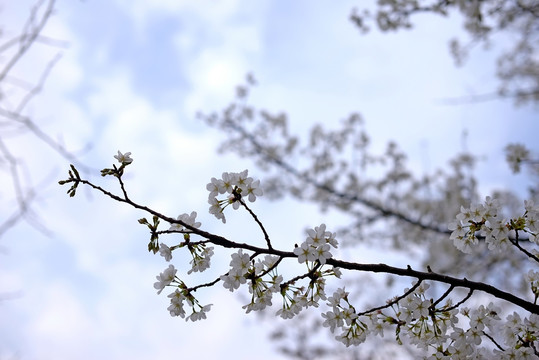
point(132, 78)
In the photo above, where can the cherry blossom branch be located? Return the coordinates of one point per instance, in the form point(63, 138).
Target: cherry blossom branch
point(375, 268)
point(416, 314)
point(269, 156)
point(385, 212)
point(271, 268)
point(446, 279)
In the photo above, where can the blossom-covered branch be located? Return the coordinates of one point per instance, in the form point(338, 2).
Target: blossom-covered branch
point(425, 321)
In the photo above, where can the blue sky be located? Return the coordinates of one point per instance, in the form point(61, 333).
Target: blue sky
point(133, 77)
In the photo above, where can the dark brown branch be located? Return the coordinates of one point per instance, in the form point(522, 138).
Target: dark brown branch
point(465, 283)
point(209, 284)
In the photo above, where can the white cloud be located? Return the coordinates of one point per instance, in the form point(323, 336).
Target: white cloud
point(215, 69)
point(209, 11)
point(61, 326)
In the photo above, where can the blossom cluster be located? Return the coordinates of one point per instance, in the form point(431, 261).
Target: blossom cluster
point(317, 246)
point(165, 278)
point(436, 330)
point(412, 313)
point(237, 186)
point(200, 253)
point(532, 277)
point(179, 296)
point(516, 154)
point(296, 298)
point(188, 219)
point(263, 280)
point(344, 316)
point(244, 270)
point(485, 219)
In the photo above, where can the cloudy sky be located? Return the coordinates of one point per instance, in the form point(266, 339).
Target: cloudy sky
point(132, 75)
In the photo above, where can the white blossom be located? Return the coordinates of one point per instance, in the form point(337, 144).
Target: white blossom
point(165, 278)
point(186, 219)
point(124, 159)
point(165, 252)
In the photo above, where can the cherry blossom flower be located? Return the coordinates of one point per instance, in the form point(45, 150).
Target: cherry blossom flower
point(253, 190)
point(215, 187)
point(165, 252)
point(322, 253)
point(176, 304)
point(201, 261)
point(233, 280)
point(333, 319)
point(305, 252)
point(123, 159)
point(186, 219)
point(216, 209)
point(165, 278)
point(240, 262)
point(237, 186)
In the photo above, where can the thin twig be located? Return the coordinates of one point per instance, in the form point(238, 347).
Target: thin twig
point(266, 236)
point(209, 284)
point(28, 38)
point(462, 301)
point(36, 130)
point(493, 341)
point(517, 245)
point(392, 302)
point(433, 306)
point(37, 89)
